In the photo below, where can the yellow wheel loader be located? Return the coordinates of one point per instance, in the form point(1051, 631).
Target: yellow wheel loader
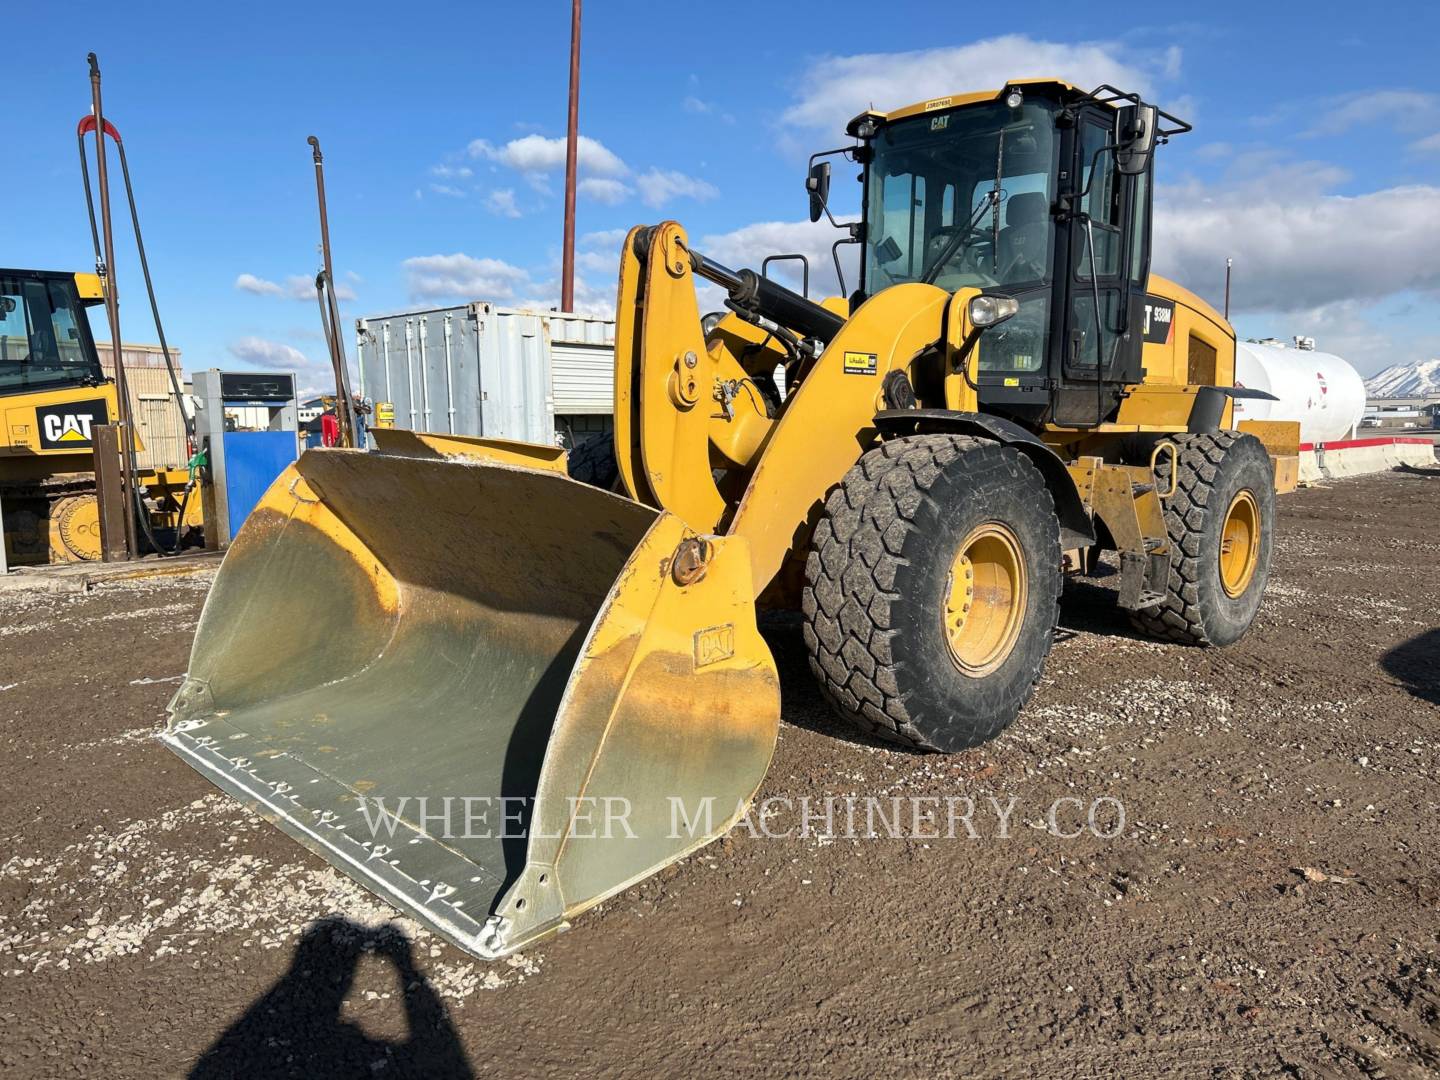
point(497, 695)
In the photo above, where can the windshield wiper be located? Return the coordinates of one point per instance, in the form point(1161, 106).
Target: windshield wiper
point(958, 242)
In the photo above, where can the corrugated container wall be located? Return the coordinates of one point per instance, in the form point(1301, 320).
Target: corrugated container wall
point(479, 369)
point(152, 403)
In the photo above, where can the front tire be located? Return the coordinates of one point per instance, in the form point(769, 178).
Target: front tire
point(593, 462)
point(1220, 522)
point(932, 590)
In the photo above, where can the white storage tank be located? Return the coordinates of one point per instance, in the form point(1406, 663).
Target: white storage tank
point(1320, 390)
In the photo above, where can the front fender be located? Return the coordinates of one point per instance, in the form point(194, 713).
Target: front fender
point(1076, 529)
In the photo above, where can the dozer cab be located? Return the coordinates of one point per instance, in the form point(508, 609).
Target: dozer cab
point(498, 695)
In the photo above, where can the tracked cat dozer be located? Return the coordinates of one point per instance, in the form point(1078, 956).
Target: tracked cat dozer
point(497, 695)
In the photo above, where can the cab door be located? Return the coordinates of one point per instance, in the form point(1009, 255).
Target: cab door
point(1108, 254)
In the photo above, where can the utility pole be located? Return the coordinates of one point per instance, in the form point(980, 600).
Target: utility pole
point(572, 138)
point(1228, 263)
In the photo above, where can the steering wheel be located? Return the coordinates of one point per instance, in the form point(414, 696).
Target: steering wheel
point(967, 259)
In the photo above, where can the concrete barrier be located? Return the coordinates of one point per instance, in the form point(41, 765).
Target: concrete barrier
point(1357, 457)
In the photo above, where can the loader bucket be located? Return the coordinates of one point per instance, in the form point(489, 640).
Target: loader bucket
point(491, 694)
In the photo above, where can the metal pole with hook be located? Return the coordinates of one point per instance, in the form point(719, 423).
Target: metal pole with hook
point(112, 313)
point(330, 309)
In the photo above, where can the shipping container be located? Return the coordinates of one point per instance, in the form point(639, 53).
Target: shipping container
point(153, 406)
point(480, 369)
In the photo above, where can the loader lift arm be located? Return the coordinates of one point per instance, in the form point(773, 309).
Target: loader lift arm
point(668, 438)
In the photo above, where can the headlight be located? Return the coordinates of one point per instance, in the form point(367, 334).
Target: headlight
point(991, 310)
point(709, 321)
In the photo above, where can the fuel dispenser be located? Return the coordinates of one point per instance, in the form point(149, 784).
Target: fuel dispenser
point(247, 421)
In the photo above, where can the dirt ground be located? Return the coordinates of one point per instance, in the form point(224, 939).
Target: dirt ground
point(1270, 907)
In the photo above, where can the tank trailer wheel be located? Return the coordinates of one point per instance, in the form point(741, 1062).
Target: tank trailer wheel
point(593, 462)
point(932, 589)
point(1221, 522)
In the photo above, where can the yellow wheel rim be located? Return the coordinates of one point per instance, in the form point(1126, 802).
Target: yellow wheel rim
point(1240, 544)
point(985, 601)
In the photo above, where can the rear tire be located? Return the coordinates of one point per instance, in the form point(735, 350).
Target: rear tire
point(593, 462)
point(914, 522)
point(1226, 486)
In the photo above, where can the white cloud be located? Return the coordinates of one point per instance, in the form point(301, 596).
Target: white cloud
point(1307, 261)
point(537, 154)
point(1297, 248)
point(748, 246)
point(837, 88)
point(600, 262)
point(502, 203)
point(267, 354)
point(297, 287)
point(659, 186)
point(589, 299)
point(257, 286)
point(451, 172)
point(448, 190)
point(693, 104)
point(604, 238)
point(1349, 329)
point(604, 190)
point(1428, 145)
point(461, 277)
point(1403, 110)
point(311, 376)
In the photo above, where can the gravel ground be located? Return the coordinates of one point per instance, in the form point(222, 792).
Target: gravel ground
point(1268, 908)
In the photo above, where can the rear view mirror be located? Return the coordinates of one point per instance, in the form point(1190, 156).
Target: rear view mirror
point(818, 185)
point(1135, 138)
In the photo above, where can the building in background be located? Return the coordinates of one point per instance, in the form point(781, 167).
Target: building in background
point(1402, 412)
point(152, 403)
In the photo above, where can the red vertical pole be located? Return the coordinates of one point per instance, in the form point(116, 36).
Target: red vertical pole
point(572, 136)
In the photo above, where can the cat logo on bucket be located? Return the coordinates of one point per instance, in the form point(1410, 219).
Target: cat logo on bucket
point(715, 644)
point(70, 426)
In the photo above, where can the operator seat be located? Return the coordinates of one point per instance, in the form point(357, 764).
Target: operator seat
point(1024, 250)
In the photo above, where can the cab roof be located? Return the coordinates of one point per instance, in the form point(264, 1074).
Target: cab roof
point(952, 101)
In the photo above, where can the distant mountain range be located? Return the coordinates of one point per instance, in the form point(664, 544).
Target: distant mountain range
point(1420, 379)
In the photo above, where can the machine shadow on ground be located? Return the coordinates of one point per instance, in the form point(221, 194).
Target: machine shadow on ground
point(1087, 606)
point(1416, 663)
point(296, 1028)
point(805, 706)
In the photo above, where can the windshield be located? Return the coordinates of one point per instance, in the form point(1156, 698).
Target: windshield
point(43, 336)
point(963, 198)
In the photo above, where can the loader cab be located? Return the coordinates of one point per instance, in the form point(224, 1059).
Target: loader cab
point(1041, 193)
point(45, 341)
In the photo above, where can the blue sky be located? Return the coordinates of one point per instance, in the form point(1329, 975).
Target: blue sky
point(1315, 162)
